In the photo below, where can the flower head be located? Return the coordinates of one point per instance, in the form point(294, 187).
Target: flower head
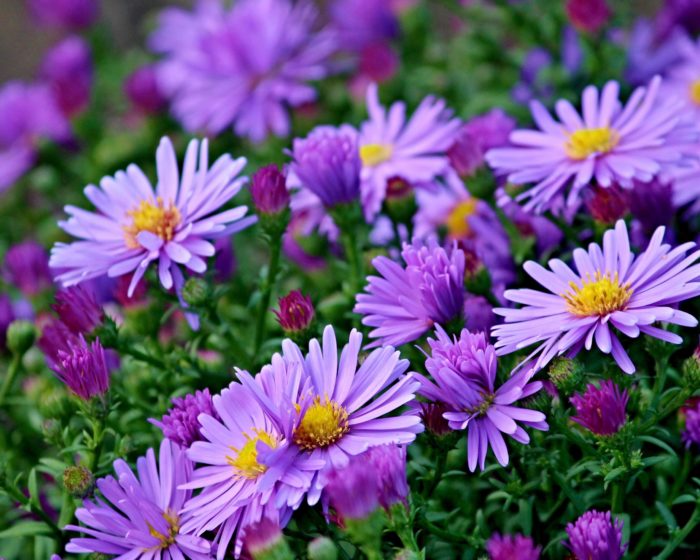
point(241, 66)
point(389, 464)
point(143, 91)
point(588, 15)
point(464, 380)
point(596, 536)
point(296, 312)
point(78, 309)
point(268, 188)
point(141, 516)
point(353, 490)
point(363, 23)
point(404, 302)
point(691, 433)
point(180, 424)
point(67, 68)
point(27, 267)
point(327, 163)
point(136, 226)
point(83, 368)
point(512, 547)
point(601, 409)
point(64, 14)
point(611, 290)
point(611, 143)
point(607, 205)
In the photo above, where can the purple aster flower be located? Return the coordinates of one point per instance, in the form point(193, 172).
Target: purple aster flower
point(65, 14)
point(136, 225)
point(596, 536)
point(180, 424)
point(296, 312)
point(78, 309)
point(611, 143)
point(691, 412)
point(389, 464)
point(684, 13)
point(476, 137)
point(405, 302)
point(648, 54)
point(262, 538)
point(67, 68)
point(143, 91)
point(611, 288)
point(512, 547)
point(588, 15)
point(362, 23)
point(241, 66)
point(82, 367)
point(601, 409)
point(529, 86)
point(353, 490)
point(377, 64)
point(141, 516)
point(464, 380)
point(7, 315)
point(27, 267)
point(55, 337)
point(651, 205)
point(327, 164)
point(391, 145)
point(268, 189)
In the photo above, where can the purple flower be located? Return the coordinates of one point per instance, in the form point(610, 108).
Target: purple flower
point(136, 225)
point(611, 143)
point(241, 66)
point(478, 314)
point(353, 490)
point(651, 204)
point(405, 302)
point(143, 91)
point(476, 137)
point(648, 56)
point(691, 433)
point(67, 68)
point(391, 145)
point(65, 14)
point(262, 537)
point(363, 23)
point(296, 312)
point(327, 163)
point(464, 380)
point(601, 409)
point(596, 536)
point(529, 86)
point(269, 190)
point(78, 309)
point(180, 424)
point(389, 464)
point(610, 288)
point(141, 516)
point(27, 267)
point(512, 547)
point(684, 13)
point(683, 79)
point(588, 15)
point(55, 337)
point(607, 205)
point(82, 368)
point(7, 315)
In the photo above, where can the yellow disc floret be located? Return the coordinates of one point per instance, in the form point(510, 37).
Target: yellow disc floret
point(323, 423)
point(695, 92)
point(599, 296)
point(173, 522)
point(374, 154)
point(246, 462)
point(589, 141)
point(458, 220)
point(156, 217)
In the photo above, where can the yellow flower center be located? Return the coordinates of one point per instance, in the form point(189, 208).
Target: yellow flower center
point(695, 92)
point(599, 295)
point(246, 460)
point(588, 141)
point(457, 222)
point(173, 529)
point(155, 217)
point(374, 154)
point(324, 423)
point(482, 407)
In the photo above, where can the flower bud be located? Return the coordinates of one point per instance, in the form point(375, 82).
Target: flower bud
point(269, 190)
point(601, 409)
point(142, 89)
point(78, 309)
point(196, 292)
point(566, 375)
point(607, 204)
point(20, 337)
point(296, 314)
point(322, 548)
point(79, 481)
point(264, 541)
point(691, 371)
point(588, 15)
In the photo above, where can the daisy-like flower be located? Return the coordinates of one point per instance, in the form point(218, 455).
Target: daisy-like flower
point(596, 535)
point(405, 302)
point(141, 518)
point(512, 547)
point(464, 381)
point(241, 66)
point(683, 79)
point(610, 142)
point(136, 225)
point(611, 290)
point(413, 149)
point(601, 409)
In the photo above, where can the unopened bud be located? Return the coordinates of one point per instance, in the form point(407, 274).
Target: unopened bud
point(79, 481)
point(566, 375)
point(20, 337)
point(196, 292)
point(322, 548)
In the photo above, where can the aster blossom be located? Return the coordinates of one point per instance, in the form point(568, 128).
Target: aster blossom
point(610, 142)
point(136, 225)
point(596, 536)
point(463, 374)
point(82, 367)
point(140, 516)
point(243, 66)
point(180, 424)
point(601, 409)
point(26, 265)
point(691, 433)
point(405, 302)
point(512, 547)
point(611, 290)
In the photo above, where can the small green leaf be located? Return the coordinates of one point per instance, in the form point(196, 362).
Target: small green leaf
point(684, 499)
point(33, 487)
point(666, 514)
point(662, 444)
point(26, 529)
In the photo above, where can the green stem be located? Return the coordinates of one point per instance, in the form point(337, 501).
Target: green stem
point(680, 536)
point(617, 497)
point(439, 470)
point(12, 371)
point(353, 256)
point(659, 383)
point(96, 444)
point(268, 284)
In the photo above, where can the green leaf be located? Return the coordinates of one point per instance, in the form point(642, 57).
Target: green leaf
point(613, 474)
point(26, 529)
point(684, 499)
point(666, 514)
point(662, 444)
point(33, 487)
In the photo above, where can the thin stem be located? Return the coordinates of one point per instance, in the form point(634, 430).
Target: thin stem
point(268, 284)
point(617, 497)
point(97, 440)
point(659, 382)
point(12, 371)
point(437, 476)
point(352, 254)
point(680, 535)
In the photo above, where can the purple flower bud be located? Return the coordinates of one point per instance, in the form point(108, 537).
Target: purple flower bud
point(353, 491)
point(263, 537)
point(601, 409)
point(67, 68)
point(431, 414)
point(607, 204)
point(389, 462)
point(83, 368)
point(143, 91)
point(588, 15)
point(65, 14)
point(327, 162)
point(55, 336)
point(512, 547)
point(269, 190)
point(180, 424)
point(595, 536)
point(27, 267)
point(296, 312)
point(652, 204)
point(691, 411)
point(77, 307)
